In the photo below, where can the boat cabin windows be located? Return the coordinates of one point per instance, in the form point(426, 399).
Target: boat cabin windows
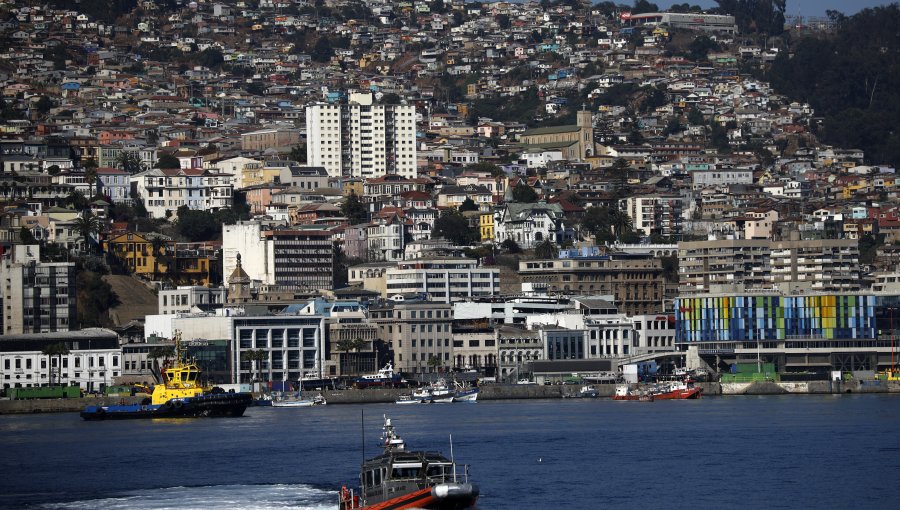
point(374, 478)
point(436, 471)
point(405, 470)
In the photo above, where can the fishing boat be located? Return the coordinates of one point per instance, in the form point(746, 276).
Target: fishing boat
point(586, 391)
point(466, 393)
point(384, 377)
point(297, 401)
point(180, 395)
point(403, 479)
point(411, 399)
point(668, 390)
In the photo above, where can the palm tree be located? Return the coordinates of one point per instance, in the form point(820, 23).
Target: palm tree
point(357, 344)
point(257, 356)
point(345, 346)
point(434, 362)
point(164, 352)
point(157, 247)
point(90, 175)
point(620, 222)
point(59, 350)
point(87, 225)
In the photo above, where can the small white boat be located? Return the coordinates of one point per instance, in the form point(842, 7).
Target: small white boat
point(318, 400)
point(411, 399)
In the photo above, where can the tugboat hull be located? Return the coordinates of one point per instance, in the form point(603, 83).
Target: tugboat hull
point(212, 405)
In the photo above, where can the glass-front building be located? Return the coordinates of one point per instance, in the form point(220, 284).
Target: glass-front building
point(773, 317)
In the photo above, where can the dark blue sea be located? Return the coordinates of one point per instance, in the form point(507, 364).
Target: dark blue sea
point(839, 451)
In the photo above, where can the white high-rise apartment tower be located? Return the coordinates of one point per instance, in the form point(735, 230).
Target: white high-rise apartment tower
point(361, 139)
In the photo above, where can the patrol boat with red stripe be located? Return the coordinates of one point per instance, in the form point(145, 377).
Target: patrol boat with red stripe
point(399, 479)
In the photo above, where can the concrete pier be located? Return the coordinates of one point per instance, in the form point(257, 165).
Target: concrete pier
point(497, 392)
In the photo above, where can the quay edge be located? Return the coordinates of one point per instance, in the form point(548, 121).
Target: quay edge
point(499, 392)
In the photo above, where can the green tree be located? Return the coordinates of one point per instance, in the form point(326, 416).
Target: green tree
point(90, 176)
point(510, 246)
point(167, 161)
point(354, 210)
point(547, 249)
point(53, 170)
point(454, 227)
point(868, 248)
point(198, 225)
point(524, 193)
point(160, 352)
point(158, 245)
point(298, 153)
point(760, 16)
point(94, 299)
point(26, 237)
point(130, 162)
point(89, 225)
point(59, 350)
point(255, 357)
point(435, 363)
point(468, 205)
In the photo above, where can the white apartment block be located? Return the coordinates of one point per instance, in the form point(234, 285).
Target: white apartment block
point(443, 280)
point(186, 298)
point(361, 139)
point(654, 214)
point(165, 190)
point(37, 297)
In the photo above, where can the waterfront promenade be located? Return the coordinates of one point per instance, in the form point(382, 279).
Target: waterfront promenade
point(498, 392)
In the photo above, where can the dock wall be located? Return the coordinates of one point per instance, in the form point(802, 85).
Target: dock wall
point(497, 392)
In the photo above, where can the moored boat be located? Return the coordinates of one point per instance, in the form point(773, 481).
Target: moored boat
point(318, 400)
point(384, 377)
point(180, 395)
point(668, 390)
point(402, 479)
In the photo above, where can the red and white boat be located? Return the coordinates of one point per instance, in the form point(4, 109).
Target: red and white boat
point(667, 390)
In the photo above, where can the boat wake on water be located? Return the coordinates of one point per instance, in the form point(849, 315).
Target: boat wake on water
point(244, 497)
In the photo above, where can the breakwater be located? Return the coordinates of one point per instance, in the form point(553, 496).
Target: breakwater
point(497, 392)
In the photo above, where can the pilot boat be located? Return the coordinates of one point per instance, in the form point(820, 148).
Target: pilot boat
point(403, 479)
point(181, 395)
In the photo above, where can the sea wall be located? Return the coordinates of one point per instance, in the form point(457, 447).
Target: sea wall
point(497, 392)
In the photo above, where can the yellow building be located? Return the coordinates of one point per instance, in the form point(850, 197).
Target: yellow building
point(180, 263)
point(486, 226)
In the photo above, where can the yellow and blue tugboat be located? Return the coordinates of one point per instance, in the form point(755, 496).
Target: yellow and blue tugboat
point(181, 395)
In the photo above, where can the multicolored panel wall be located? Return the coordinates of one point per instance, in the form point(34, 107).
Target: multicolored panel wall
point(752, 318)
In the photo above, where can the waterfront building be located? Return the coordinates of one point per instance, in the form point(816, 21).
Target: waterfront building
point(517, 349)
point(475, 347)
point(822, 265)
point(418, 332)
point(636, 281)
point(798, 332)
point(36, 297)
point(362, 139)
point(92, 363)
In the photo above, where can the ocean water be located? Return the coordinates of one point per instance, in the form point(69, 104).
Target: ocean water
point(830, 451)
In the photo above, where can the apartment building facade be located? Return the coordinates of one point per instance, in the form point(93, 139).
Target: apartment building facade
point(165, 190)
point(420, 334)
point(636, 282)
point(37, 297)
point(302, 257)
point(362, 139)
point(443, 280)
point(823, 265)
point(654, 214)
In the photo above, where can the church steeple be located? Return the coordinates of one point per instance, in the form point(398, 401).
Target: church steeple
point(239, 284)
